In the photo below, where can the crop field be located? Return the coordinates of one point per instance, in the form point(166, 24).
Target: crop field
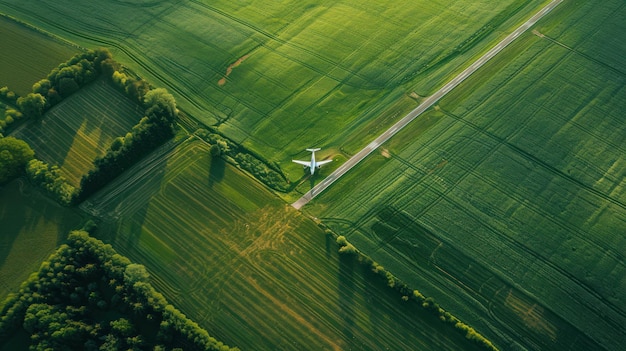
point(248, 268)
point(80, 128)
point(507, 202)
point(278, 77)
point(27, 55)
point(32, 226)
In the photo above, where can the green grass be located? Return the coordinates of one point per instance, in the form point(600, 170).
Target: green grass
point(76, 131)
point(32, 227)
point(510, 208)
point(251, 270)
point(293, 71)
point(27, 55)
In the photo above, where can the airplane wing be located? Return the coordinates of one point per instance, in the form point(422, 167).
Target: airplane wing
point(319, 163)
point(304, 163)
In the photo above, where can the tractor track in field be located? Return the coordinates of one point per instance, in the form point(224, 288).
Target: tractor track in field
point(119, 45)
point(531, 253)
point(469, 170)
point(426, 104)
point(103, 198)
point(425, 172)
point(550, 169)
point(288, 43)
point(523, 247)
point(442, 132)
point(582, 54)
point(514, 243)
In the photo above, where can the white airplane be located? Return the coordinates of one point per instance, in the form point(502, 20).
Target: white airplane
point(312, 164)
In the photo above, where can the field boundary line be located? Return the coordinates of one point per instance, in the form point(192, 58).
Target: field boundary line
point(426, 104)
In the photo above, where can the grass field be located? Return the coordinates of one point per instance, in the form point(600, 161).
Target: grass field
point(279, 77)
point(31, 228)
point(27, 55)
point(507, 201)
point(80, 128)
point(250, 269)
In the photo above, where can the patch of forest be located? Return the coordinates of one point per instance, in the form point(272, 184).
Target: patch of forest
point(88, 297)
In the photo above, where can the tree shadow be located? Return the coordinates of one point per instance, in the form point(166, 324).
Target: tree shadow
point(123, 216)
point(28, 217)
point(217, 168)
point(24, 210)
point(346, 291)
point(373, 284)
point(12, 216)
point(329, 244)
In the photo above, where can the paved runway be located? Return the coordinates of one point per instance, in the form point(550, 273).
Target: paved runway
point(426, 104)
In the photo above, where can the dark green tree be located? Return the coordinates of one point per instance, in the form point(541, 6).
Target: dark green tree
point(14, 155)
point(160, 106)
point(67, 86)
point(215, 150)
point(32, 105)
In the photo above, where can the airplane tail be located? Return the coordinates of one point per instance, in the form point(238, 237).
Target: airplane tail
point(313, 150)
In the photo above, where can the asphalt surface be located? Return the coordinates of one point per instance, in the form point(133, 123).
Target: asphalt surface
point(426, 104)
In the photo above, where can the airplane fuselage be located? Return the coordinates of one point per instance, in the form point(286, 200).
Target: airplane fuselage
point(313, 164)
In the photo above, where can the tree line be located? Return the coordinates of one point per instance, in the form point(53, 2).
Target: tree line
point(153, 129)
point(63, 81)
point(267, 173)
point(86, 296)
point(51, 181)
point(8, 102)
point(427, 303)
point(150, 132)
point(14, 156)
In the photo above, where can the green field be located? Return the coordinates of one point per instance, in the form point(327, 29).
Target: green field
point(248, 268)
point(32, 226)
point(507, 201)
point(80, 128)
point(27, 55)
point(278, 77)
